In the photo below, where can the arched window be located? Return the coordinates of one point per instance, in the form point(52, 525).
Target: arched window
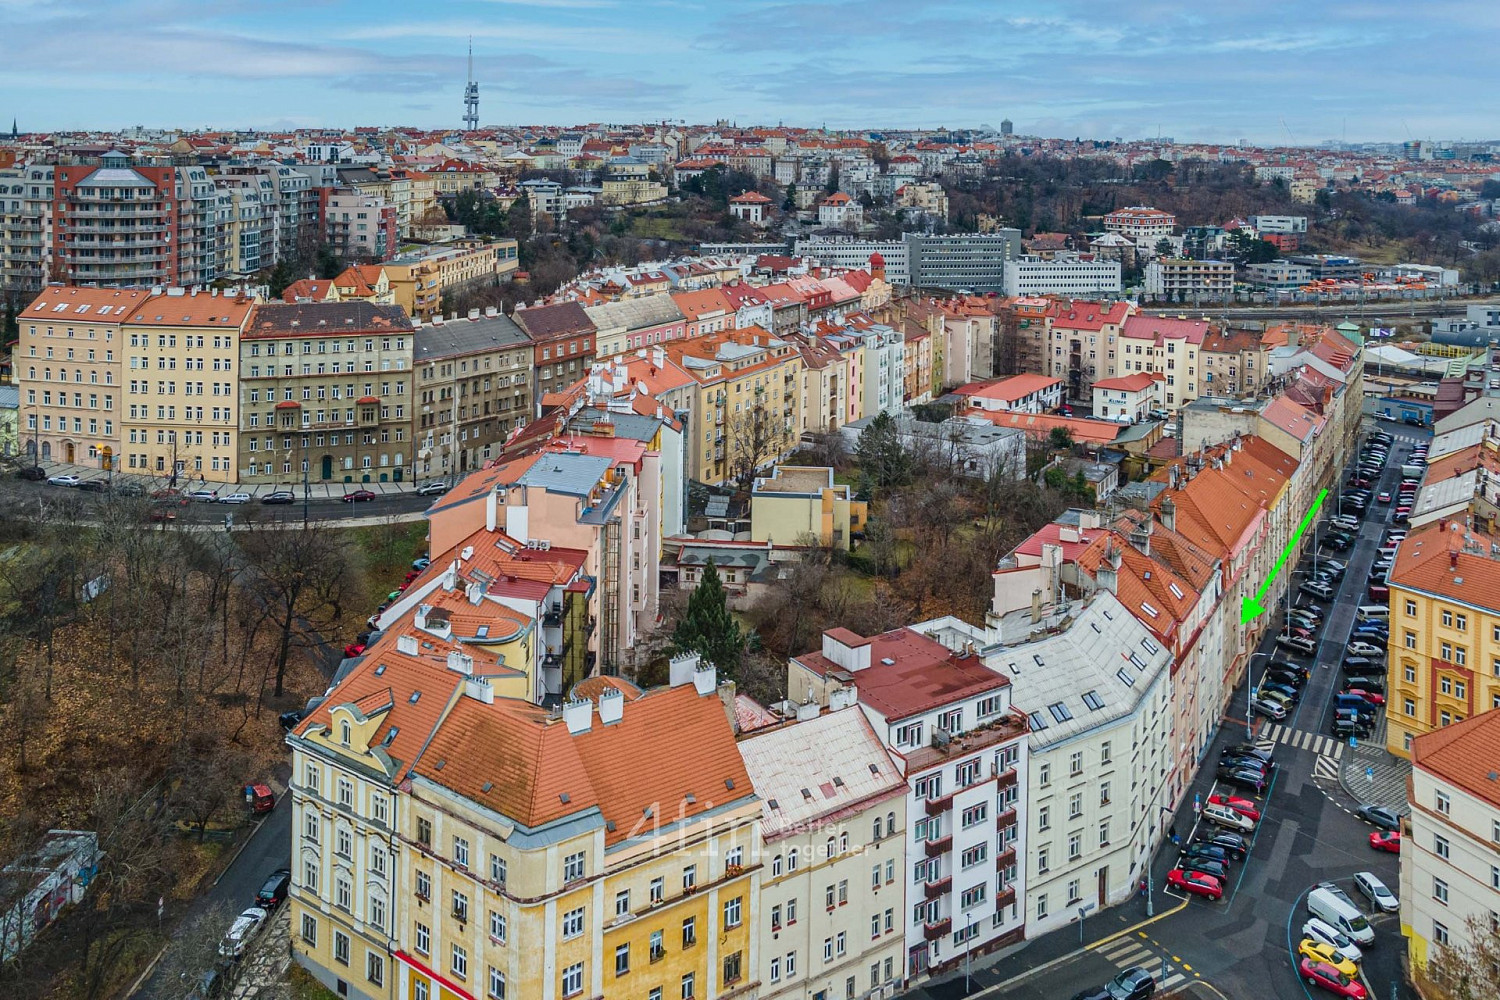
point(877, 827)
point(344, 732)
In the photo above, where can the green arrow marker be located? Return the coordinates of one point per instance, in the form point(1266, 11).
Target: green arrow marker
point(1251, 608)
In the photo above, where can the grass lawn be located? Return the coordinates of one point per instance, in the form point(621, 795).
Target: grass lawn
point(382, 555)
point(305, 987)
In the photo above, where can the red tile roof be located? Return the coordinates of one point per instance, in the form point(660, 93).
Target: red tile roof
point(923, 675)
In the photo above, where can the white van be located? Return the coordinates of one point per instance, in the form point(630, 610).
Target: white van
point(1333, 906)
point(1373, 612)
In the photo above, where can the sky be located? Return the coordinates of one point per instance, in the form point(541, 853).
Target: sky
point(1271, 71)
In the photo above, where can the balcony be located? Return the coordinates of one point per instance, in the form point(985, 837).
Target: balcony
point(932, 890)
point(1005, 819)
point(1005, 859)
point(553, 617)
point(1006, 779)
point(937, 848)
point(937, 929)
point(938, 806)
point(1005, 897)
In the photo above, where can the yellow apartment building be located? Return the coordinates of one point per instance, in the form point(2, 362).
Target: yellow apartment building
point(585, 853)
point(1443, 659)
point(179, 419)
point(420, 277)
point(796, 502)
point(67, 366)
point(746, 415)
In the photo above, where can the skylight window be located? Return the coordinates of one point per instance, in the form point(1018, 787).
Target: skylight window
point(1150, 647)
point(1037, 722)
point(1139, 663)
point(1124, 675)
point(1060, 711)
point(1150, 610)
point(1092, 700)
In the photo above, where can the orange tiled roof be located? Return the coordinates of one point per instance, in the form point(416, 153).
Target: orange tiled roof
point(1463, 754)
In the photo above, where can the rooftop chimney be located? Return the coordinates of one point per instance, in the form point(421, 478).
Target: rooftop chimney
point(461, 662)
point(705, 678)
point(408, 644)
point(681, 669)
point(420, 620)
point(843, 697)
point(611, 706)
point(578, 714)
point(1036, 606)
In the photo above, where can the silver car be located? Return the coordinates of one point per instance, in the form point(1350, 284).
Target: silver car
point(1374, 889)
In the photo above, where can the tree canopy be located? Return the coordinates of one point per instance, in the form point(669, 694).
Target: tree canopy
point(707, 626)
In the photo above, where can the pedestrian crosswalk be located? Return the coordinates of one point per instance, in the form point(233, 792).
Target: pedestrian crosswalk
point(1326, 767)
point(1324, 746)
point(1134, 950)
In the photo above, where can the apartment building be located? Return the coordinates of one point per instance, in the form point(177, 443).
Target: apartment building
point(325, 394)
point(592, 858)
point(349, 757)
point(1450, 877)
point(26, 239)
point(564, 346)
point(746, 412)
point(632, 324)
point(1062, 274)
point(949, 724)
point(1081, 339)
point(962, 261)
point(289, 203)
point(116, 224)
point(1234, 362)
point(1166, 346)
point(797, 501)
point(67, 362)
point(1141, 224)
point(357, 225)
point(180, 348)
point(420, 278)
point(1183, 280)
point(472, 378)
point(1444, 657)
point(832, 866)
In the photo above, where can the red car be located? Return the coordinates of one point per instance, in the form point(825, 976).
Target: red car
point(1198, 883)
point(354, 649)
point(358, 496)
point(1386, 840)
point(412, 575)
point(1379, 593)
point(1326, 976)
point(1244, 807)
point(1373, 697)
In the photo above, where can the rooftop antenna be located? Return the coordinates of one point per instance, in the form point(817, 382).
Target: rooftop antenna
point(471, 95)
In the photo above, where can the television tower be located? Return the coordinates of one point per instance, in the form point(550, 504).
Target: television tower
point(471, 95)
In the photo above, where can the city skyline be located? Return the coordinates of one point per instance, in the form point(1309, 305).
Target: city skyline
point(1364, 71)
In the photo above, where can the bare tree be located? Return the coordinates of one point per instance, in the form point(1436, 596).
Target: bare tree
point(1467, 968)
point(302, 576)
point(755, 439)
point(194, 949)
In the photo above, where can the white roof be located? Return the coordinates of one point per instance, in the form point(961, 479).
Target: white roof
point(810, 769)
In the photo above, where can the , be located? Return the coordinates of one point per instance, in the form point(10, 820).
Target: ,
point(1386, 840)
point(63, 480)
point(358, 496)
point(1386, 819)
point(1327, 977)
point(1375, 890)
point(1327, 954)
point(1196, 882)
point(245, 926)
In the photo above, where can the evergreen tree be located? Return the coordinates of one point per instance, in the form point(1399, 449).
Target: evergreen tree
point(708, 628)
point(790, 204)
point(883, 462)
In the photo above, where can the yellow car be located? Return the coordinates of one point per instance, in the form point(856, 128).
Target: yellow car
point(1329, 955)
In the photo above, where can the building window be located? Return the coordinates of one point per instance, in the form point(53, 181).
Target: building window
point(1041, 906)
point(461, 852)
point(688, 986)
point(341, 947)
point(1440, 891)
point(732, 910)
point(1440, 846)
point(1442, 803)
point(622, 959)
point(572, 923)
point(497, 869)
point(375, 968)
point(423, 941)
point(572, 980)
point(460, 905)
point(690, 932)
point(732, 968)
point(458, 962)
point(497, 984)
point(1440, 933)
point(1411, 609)
point(573, 867)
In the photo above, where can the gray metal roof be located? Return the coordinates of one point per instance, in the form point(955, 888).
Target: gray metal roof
point(634, 426)
point(466, 336)
point(635, 314)
point(1092, 674)
point(561, 472)
point(10, 397)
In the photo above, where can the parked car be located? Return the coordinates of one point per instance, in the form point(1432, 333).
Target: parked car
point(1379, 592)
point(1246, 777)
point(1374, 889)
point(1320, 951)
point(279, 496)
point(202, 496)
point(93, 486)
point(33, 473)
point(1327, 977)
point(1297, 643)
point(1226, 817)
point(1359, 647)
point(161, 515)
point(358, 496)
point(245, 926)
point(209, 986)
point(1380, 816)
point(1133, 984)
point(354, 649)
point(1192, 854)
point(289, 720)
point(1384, 496)
point(1386, 840)
point(63, 480)
point(1199, 883)
point(1321, 930)
point(432, 489)
point(1242, 806)
point(1363, 682)
point(1234, 845)
point(1371, 697)
point(235, 498)
point(1270, 709)
point(1242, 750)
point(1343, 728)
point(421, 564)
point(1296, 678)
point(1360, 665)
point(273, 893)
point(1273, 686)
point(1315, 589)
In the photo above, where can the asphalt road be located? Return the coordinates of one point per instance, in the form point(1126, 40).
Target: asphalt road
point(269, 848)
point(1242, 946)
point(19, 491)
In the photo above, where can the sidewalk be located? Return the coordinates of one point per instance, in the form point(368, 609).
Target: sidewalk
point(1370, 774)
point(187, 482)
